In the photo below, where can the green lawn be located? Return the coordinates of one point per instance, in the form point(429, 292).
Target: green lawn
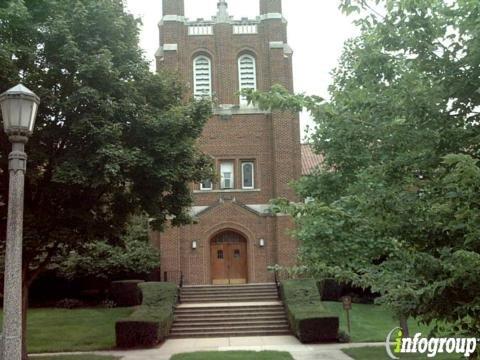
point(234, 355)
point(57, 330)
point(379, 353)
point(370, 323)
point(75, 357)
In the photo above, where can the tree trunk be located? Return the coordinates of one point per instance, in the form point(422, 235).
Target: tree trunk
point(25, 286)
point(404, 326)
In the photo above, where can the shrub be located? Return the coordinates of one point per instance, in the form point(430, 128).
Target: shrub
point(151, 322)
point(131, 256)
point(308, 319)
point(331, 290)
point(69, 304)
point(108, 304)
point(126, 292)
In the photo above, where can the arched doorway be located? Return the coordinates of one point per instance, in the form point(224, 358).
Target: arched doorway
point(228, 251)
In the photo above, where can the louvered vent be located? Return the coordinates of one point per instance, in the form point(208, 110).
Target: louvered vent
point(202, 73)
point(247, 75)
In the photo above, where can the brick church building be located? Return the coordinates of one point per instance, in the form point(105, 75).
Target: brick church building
point(257, 153)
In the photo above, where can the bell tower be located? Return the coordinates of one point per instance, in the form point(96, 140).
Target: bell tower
point(173, 7)
point(270, 7)
point(256, 152)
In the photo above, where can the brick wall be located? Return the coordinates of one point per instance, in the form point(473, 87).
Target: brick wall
point(271, 140)
point(176, 244)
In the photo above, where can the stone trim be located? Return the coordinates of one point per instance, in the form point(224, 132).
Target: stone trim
point(276, 44)
point(287, 50)
point(230, 110)
point(257, 209)
point(226, 191)
point(170, 18)
point(272, 16)
point(170, 47)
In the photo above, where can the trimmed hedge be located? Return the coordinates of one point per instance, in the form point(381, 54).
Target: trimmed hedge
point(126, 293)
point(309, 320)
point(152, 321)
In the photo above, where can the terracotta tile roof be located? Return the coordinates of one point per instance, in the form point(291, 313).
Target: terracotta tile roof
point(310, 160)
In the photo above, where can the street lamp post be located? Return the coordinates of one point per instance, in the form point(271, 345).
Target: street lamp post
point(19, 110)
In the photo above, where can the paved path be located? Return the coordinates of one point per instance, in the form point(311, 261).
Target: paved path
point(276, 343)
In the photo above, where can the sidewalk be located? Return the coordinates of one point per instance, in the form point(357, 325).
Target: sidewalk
point(275, 343)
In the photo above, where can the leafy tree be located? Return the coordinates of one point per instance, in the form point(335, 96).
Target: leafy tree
point(396, 203)
point(111, 138)
point(133, 256)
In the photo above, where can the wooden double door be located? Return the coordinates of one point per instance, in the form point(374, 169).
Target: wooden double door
point(229, 258)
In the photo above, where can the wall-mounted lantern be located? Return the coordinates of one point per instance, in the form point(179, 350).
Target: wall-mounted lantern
point(261, 243)
point(194, 244)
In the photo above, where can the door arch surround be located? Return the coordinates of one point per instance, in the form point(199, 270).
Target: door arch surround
point(228, 258)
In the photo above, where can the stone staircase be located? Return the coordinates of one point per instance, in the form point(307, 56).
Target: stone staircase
point(224, 311)
point(229, 293)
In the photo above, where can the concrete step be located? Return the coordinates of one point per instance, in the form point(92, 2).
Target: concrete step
point(223, 292)
point(253, 306)
point(233, 316)
point(220, 316)
point(202, 334)
point(262, 313)
point(229, 293)
point(229, 317)
point(228, 323)
point(226, 295)
point(238, 298)
point(232, 298)
point(230, 310)
point(240, 286)
point(230, 328)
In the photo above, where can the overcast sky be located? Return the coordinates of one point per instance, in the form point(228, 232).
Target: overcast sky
point(317, 31)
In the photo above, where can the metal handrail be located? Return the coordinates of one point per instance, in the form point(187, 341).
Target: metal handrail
point(277, 284)
point(179, 280)
point(180, 286)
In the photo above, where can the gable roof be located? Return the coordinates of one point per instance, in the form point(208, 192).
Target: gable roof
point(259, 210)
point(310, 160)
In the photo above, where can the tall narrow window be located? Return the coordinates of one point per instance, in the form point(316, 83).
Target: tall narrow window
point(247, 75)
point(226, 172)
point(202, 77)
point(247, 175)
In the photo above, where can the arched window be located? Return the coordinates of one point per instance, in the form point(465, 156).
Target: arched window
point(202, 77)
point(247, 75)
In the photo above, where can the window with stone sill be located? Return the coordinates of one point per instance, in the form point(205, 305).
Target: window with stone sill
point(226, 175)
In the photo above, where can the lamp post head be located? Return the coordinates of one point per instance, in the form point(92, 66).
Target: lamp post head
point(19, 110)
